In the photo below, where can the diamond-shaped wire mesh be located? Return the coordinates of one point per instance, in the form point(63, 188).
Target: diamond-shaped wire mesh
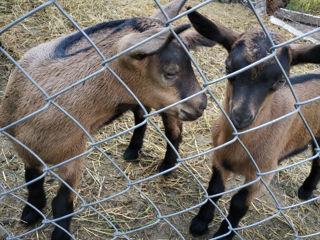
point(119, 199)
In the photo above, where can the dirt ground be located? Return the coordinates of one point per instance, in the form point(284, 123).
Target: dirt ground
point(171, 194)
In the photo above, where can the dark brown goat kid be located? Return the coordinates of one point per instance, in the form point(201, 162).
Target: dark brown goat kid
point(254, 97)
point(158, 72)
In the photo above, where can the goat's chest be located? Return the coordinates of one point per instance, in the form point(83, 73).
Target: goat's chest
point(244, 157)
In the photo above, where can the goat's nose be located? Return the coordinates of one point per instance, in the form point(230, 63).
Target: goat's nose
point(203, 104)
point(242, 119)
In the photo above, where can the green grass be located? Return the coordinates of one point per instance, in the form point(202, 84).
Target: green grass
point(307, 6)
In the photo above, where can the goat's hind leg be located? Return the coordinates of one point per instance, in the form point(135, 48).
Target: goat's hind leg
point(199, 224)
point(132, 152)
point(62, 204)
point(36, 195)
point(310, 184)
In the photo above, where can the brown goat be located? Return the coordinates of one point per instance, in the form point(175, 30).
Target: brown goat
point(172, 125)
point(158, 72)
point(253, 97)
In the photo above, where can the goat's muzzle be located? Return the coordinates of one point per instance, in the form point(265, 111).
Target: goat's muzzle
point(193, 109)
point(241, 119)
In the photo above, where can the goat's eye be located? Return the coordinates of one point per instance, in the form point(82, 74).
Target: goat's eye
point(278, 84)
point(139, 56)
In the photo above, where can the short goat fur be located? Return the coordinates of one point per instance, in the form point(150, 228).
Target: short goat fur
point(253, 97)
point(158, 72)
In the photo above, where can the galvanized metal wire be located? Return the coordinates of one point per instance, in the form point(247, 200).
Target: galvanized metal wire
point(95, 145)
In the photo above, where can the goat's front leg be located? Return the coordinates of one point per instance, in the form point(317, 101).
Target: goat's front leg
point(132, 152)
point(173, 130)
point(238, 208)
point(199, 224)
point(239, 205)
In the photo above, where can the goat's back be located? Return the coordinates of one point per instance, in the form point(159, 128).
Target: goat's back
point(54, 66)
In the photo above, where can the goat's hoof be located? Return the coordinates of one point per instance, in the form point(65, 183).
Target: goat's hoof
point(304, 194)
point(131, 154)
point(218, 233)
point(198, 227)
point(59, 234)
point(165, 166)
point(30, 216)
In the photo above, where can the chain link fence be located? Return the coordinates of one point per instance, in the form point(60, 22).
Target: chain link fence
point(132, 185)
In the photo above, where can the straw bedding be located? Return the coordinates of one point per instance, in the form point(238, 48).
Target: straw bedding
point(101, 179)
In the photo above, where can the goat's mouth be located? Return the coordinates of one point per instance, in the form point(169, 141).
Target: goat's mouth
point(241, 126)
point(186, 116)
point(241, 123)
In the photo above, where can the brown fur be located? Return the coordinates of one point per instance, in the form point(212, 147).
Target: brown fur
point(172, 9)
point(274, 5)
point(252, 98)
point(53, 136)
point(91, 103)
point(271, 143)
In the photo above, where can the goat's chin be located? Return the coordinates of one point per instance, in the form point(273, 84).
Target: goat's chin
point(242, 126)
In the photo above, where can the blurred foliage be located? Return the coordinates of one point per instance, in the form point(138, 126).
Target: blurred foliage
point(307, 6)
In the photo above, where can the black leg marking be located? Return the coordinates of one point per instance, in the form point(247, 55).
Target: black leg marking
point(36, 196)
point(136, 142)
point(173, 129)
point(62, 205)
point(310, 184)
point(238, 209)
point(199, 224)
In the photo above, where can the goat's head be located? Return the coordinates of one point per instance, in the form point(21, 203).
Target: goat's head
point(164, 74)
point(250, 90)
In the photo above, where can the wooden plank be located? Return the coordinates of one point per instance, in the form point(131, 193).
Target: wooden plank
point(297, 17)
point(293, 30)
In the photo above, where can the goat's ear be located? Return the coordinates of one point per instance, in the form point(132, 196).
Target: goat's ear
point(305, 53)
point(172, 9)
point(194, 39)
point(213, 31)
point(149, 47)
point(146, 48)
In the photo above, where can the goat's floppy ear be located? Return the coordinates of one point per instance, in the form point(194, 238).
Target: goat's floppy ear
point(305, 53)
point(172, 9)
point(147, 48)
point(215, 32)
point(194, 39)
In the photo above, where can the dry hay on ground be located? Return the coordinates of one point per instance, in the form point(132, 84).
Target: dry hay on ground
point(101, 179)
